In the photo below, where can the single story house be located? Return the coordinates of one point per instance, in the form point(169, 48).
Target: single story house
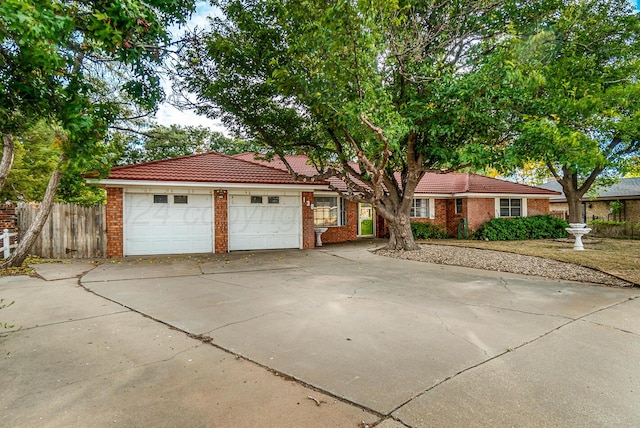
point(618, 202)
point(213, 203)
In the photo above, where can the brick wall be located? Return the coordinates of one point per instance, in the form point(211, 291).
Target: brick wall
point(537, 207)
point(453, 219)
point(308, 233)
point(479, 211)
point(441, 215)
point(221, 222)
point(602, 210)
point(9, 220)
point(344, 233)
point(632, 211)
point(114, 222)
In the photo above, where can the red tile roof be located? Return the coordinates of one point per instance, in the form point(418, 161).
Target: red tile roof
point(206, 168)
point(460, 183)
point(431, 183)
point(244, 168)
point(299, 163)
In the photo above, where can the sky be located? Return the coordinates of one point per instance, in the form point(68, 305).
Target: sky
point(169, 115)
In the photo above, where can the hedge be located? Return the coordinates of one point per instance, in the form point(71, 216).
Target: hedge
point(428, 231)
point(520, 228)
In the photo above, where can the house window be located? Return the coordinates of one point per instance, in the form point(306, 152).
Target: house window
point(160, 199)
point(510, 207)
point(329, 211)
point(256, 199)
point(458, 206)
point(180, 199)
point(274, 199)
point(420, 208)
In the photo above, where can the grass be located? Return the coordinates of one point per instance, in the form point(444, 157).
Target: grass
point(613, 256)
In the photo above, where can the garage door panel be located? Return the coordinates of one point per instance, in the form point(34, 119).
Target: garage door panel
point(168, 228)
point(264, 225)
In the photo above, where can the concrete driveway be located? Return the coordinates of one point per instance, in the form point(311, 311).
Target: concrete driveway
point(385, 341)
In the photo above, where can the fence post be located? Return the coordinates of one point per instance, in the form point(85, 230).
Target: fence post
point(6, 243)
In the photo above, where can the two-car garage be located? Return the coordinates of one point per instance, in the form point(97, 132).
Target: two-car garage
point(182, 221)
point(206, 203)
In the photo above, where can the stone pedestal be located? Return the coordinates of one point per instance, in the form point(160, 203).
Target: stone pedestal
point(319, 231)
point(578, 230)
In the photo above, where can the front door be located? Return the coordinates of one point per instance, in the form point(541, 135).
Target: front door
point(365, 220)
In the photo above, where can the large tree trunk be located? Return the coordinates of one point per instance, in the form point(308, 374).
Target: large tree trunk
point(574, 194)
point(7, 158)
point(574, 200)
point(27, 240)
point(400, 235)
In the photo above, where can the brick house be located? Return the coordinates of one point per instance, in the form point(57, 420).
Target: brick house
point(213, 203)
point(625, 193)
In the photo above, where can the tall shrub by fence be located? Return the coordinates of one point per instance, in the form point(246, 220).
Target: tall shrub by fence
point(71, 231)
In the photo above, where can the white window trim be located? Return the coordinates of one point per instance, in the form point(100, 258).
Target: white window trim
point(523, 206)
point(341, 205)
point(432, 207)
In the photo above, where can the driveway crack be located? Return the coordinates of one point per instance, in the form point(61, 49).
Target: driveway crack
point(245, 320)
point(513, 349)
point(446, 327)
point(68, 321)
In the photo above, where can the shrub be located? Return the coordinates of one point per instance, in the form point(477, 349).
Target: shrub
point(520, 228)
point(613, 229)
point(428, 231)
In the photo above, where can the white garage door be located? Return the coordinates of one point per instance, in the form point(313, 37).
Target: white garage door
point(167, 224)
point(264, 222)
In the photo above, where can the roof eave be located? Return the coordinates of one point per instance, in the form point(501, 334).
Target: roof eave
point(192, 184)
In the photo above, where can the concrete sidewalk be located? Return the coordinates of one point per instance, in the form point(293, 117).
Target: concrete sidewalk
point(414, 344)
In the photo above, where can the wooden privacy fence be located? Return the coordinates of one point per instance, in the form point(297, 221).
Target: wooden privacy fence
point(71, 231)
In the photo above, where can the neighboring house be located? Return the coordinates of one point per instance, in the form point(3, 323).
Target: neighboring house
point(212, 203)
point(618, 202)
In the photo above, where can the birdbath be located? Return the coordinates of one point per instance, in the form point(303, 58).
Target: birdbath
point(578, 230)
point(319, 232)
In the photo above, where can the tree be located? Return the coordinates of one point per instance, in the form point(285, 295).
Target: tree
point(376, 93)
point(36, 156)
point(578, 107)
point(72, 64)
point(37, 152)
point(162, 142)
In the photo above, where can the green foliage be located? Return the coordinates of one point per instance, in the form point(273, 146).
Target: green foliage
point(161, 142)
point(36, 156)
point(599, 222)
point(614, 229)
point(616, 207)
point(82, 65)
point(375, 83)
point(520, 228)
point(575, 93)
point(428, 231)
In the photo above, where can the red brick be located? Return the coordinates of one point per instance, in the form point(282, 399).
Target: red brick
point(115, 237)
